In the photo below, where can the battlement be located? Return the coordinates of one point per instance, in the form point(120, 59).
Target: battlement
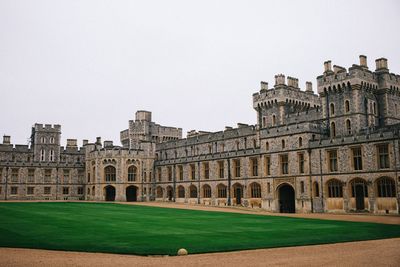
point(47, 127)
point(357, 76)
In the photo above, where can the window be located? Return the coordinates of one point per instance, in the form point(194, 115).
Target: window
point(169, 173)
point(30, 190)
point(255, 190)
point(181, 192)
point(110, 173)
point(374, 108)
point(332, 109)
point(14, 175)
point(132, 173)
point(193, 191)
point(31, 175)
point(42, 155)
point(66, 176)
point(300, 142)
point(221, 169)
point(236, 166)
point(193, 171)
point(206, 191)
point(357, 158)
point(47, 190)
point(51, 140)
point(332, 156)
point(180, 172)
point(267, 146)
point(222, 191)
point(52, 158)
point(283, 144)
point(383, 156)
point(347, 106)
point(333, 129)
point(284, 164)
point(14, 190)
point(348, 126)
point(335, 189)
point(268, 187)
point(80, 190)
point(159, 174)
point(88, 177)
point(302, 187)
point(206, 170)
point(65, 190)
point(1, 190)
point(386, 187)
point(301, 162)
point(273, 120)
point(254, 167)
point(316, 189)
point(43, 140)
point(47, 176)
point(268, 165)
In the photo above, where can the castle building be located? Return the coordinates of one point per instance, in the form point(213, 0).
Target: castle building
point(335, 151)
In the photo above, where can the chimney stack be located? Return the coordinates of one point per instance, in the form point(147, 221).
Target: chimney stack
point(363, 61)
point(309, 87)
point(381, 64)
point(98, 140)
point(327, 66)
point(6, 139)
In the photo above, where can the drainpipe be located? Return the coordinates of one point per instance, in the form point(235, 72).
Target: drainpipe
point(395, 171)
point(229, 183)
point(321, 182)
point(198, 190)
point(310, 178)
point(6, 186)
point(174, 182)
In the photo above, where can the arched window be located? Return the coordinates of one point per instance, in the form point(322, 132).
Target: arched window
point(206, 191)
point(283, 144)
point(42, 155)
point(266, 146)
point(316, 189)
point(193, 191)
point(386, 187)
point(132, 173)
point(273, 120)
point(300, 142)
point(110, 174)
point(43, 140)
point(255, 190)
point(222, 191)
point(264, 122)
point(159, 192)
point(302, 189)
point(347, 106)
point(52, 155)
point(332, 109)
point(333, 129)
point(181, 192)
point(348, 126)
point(335, 188)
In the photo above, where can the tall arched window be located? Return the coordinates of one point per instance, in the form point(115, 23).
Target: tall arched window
point(316, 189)
point(332, 109)
point(283, 144)
point(132, 173)
point(221, 191)
point(273, 120)
point(181, 192)
point(267, 146)
point(42, 155)
point(52, 155)
point(386, 187)
point(335, 188)
point(255, 190)
point(300, 142)
point(110, 174)
point(348, 126)
point(347, 106)
point(206, 191)
point(193, 191)
point(333, 129)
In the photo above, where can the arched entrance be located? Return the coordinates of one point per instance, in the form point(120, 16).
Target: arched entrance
point(286, 199)
point(359, 191)
point(109, 192)
point(170, 193)
point(131, 193)
point(238, 193)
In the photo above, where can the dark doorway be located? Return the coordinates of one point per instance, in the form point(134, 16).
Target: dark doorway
point(131, 193)
point(286, 199)
point(110, 193)
point(359, 188)
point(238, 195)
point(169, 193)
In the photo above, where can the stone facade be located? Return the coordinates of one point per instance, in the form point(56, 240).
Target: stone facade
point(335, 151)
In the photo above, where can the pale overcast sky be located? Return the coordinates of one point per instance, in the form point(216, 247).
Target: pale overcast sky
point(89, 65)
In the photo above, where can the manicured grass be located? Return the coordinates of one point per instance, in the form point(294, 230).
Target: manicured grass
point(115, 228)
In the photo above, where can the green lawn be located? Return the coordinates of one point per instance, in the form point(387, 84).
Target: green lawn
point(115, 228)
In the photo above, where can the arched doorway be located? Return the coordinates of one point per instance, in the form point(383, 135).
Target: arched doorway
point(170, 193)
point(131, 193)
point(286, 199)
point(109, 192)
point(238, 193)
point(359, 191)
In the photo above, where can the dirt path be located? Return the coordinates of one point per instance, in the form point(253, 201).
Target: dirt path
point(387, 219)
point(366, 253)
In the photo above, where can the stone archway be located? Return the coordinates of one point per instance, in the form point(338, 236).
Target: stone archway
point(109, 192)
point(131, 193)
point(286, 199)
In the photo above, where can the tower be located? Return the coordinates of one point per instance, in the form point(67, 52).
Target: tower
point(45, 141)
